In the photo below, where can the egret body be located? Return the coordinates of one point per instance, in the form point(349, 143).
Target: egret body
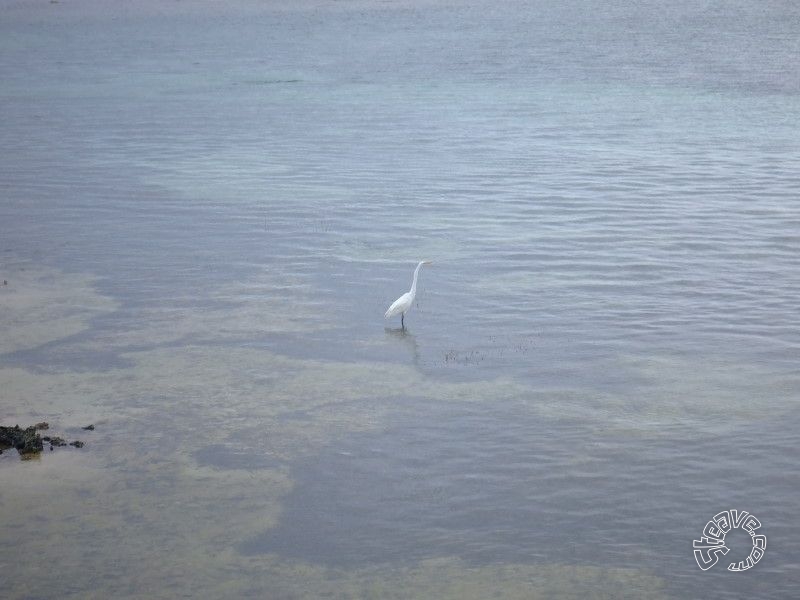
point(403, 304)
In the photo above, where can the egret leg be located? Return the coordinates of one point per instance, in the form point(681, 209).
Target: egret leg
point(402, 323)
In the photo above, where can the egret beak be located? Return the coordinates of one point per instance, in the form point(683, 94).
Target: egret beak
point(427, 262)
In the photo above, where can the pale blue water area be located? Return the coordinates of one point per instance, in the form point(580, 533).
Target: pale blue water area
point(602, 357)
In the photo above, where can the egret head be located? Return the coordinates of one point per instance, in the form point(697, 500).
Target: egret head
point(427, 262)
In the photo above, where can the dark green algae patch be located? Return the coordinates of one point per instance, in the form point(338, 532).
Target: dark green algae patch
point(29, 443)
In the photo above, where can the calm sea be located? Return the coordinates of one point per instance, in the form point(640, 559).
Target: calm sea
point(205, 209)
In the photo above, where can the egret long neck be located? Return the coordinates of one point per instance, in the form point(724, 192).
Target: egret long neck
point(414, 283)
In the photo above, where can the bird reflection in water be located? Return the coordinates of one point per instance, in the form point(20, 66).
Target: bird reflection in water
point(408, 339)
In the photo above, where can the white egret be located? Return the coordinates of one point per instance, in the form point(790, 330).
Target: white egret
point(403, 304)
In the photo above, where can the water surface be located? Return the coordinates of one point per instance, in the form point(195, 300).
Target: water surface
point(206, 210)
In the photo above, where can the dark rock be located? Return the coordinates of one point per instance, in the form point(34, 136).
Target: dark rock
point(88, 428)
point(26, 441)
point(29, 443)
